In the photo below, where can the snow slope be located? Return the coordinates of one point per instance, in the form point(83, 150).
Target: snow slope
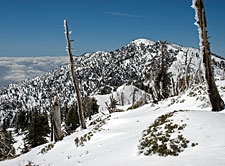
point(116, 143)
point(126, 91)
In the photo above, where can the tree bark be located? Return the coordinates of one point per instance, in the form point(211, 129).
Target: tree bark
point(122, 99)
point(173, 85)
point(51, 115)
point(186, 73)
point(56, 118)
point(162, 70)
point(214, 96)
point(75, 81)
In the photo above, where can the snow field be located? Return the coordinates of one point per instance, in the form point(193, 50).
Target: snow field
point(116, 144)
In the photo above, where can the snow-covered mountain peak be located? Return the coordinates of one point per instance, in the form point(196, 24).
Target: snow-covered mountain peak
point(143, 41)
point(102, 73)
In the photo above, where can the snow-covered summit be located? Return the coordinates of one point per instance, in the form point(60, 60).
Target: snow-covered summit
point(143, 41)
point(102, 73)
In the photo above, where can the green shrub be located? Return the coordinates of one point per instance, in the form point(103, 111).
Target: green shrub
point(157, 138)
point(137, 104)
point(47, 148)
point(97, 126)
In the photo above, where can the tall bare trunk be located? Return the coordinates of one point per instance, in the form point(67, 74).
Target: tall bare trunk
point(186, 73)
point(173, 85)
point(215, 99)
point(56, 118)
point(199, 72)
point(75, 81)
point(51, 115)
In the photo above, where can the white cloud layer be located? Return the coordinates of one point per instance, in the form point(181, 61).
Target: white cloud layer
point(17, 69)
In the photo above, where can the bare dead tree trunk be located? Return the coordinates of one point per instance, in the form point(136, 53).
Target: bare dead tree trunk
point(199, 72)
point(51, 109)
point(173, 85)
point(162, 55)
point(75, 81)
point(182, 84)
point(186, 74)
point(186, 57)
point(108, 107)
point(134, 96)
point(122, 99)
point(177, 86)
point(154, 95)
point(159, 79)
point(197, 75)
point(56, 118)
point(214, 96)
point(194, 78)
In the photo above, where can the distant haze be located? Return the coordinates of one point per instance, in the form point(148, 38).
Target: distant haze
point(14, 69)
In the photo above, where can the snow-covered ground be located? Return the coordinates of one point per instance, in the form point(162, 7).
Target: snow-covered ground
point(116, 144)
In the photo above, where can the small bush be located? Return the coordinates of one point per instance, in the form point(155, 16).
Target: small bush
point(47, 148)
point(30, 163)
point(157, 138)
point(97, 126)
point(192, 94)
point(137, 104)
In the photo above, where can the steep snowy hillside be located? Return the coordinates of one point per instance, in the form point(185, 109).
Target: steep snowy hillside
point(116, 139)
point(102, 73)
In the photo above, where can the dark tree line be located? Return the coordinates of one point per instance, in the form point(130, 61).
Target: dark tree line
point(71, 117)
point(36, 124)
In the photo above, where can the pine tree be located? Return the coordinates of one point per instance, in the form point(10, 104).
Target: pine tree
point(166, 83)
point(72, 119)
point(21, 121)
point(112, 104)
point(38, 129)
point(90, 107)
point(5, 125)
point(94, 106)
point(162, 80)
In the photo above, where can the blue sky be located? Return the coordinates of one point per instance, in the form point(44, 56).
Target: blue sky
point(35, 27)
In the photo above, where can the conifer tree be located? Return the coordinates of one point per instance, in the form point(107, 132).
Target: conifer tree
point(38, 129)
point(5, 124)
point(72, 119)
point(21, 120)
point(112, 104)
point(162, 80)
point(94, 106)
point(90, 107)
